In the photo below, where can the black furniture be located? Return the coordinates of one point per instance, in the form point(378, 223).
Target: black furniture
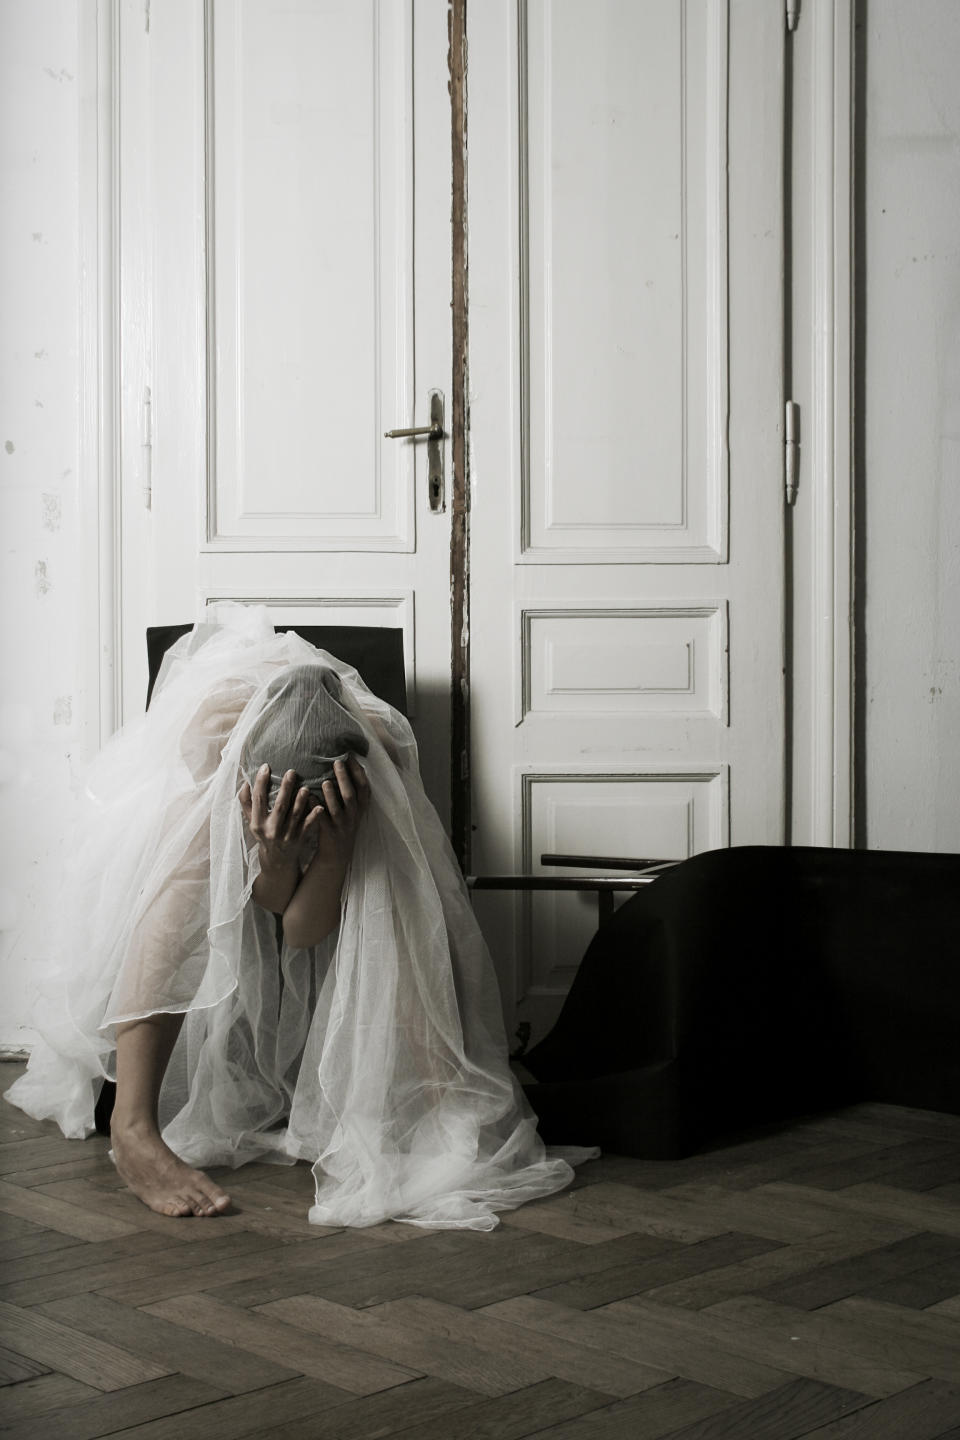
point(751, 984)
point(375, 651)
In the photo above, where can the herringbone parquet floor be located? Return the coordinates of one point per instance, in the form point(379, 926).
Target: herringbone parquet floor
point(799, 1282)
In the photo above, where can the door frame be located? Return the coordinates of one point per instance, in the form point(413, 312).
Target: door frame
point(821, 534)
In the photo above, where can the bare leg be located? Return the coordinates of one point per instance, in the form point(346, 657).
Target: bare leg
point(154, 1174)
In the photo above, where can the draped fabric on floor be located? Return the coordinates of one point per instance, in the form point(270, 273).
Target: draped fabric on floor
point(379, 1055)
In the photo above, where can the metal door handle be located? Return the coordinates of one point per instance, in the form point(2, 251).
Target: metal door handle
point(435, 436)
point(435, 431)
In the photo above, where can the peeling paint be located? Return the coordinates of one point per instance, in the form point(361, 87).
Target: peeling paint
point(40, 354)
point(39, 405)
point(59, 76)
point(36, 236)
point(52, 512)
point(63, 710)
point(9, 447)
point(42, 583)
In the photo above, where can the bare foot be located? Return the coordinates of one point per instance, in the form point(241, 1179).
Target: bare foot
point(157, 1177)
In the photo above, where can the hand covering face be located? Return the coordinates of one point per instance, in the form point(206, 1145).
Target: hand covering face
point(304, 727)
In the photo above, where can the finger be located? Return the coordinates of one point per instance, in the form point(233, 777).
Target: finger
point(260, 791)
point(360, 781)
point(331, 799)
point(297, 813)
point(281, 806)
point(245, 798)
point(313, 822)
point(342, 775)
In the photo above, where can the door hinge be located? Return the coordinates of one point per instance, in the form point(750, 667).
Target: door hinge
point(147, 472)
point(791, 450)
point(793, 13)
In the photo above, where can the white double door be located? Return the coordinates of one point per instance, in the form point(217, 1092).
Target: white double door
point(286, 287)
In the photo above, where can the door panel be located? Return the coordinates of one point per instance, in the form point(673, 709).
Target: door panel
point(311, 229)
point(623, 307)
point(627, 395)
point(282, 157)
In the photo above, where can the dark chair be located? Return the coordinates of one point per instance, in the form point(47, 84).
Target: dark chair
point(753, 984)
point(375, 651)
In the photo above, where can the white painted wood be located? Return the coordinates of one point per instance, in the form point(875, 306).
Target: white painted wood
point(660, 661)
point(310, 220)
point(602, 812)
point(285, 157)
point(623, 213)
point(822, 521)
point(612, 365)
point(911, 417)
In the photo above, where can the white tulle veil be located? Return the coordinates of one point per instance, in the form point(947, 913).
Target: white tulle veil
point(379, 1056)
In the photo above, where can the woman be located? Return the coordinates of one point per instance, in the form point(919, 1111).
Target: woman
point(272, 950)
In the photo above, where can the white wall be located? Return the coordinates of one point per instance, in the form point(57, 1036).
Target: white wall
point(43, 643)
point(910, 388)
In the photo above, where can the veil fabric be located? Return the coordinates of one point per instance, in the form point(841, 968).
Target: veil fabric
point(379, 1055)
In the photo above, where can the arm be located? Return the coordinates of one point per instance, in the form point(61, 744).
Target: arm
point(314, 911)
point(282, 834)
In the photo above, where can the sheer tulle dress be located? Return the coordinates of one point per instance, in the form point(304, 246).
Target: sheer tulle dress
point(379, 1055)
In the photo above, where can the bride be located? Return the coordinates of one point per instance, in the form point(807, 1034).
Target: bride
point(265, 940)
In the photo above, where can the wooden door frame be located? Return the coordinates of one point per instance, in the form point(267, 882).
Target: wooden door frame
point(821, 535)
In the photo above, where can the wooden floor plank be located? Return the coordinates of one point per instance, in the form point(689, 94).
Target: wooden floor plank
point(917, 1414)
point(548, 1261)
point(784, 1349)
point(647, 1341)
point(49, 1149)
point(857, 1169)
point(920, 1288)
point(557, 1358)
point(418, 1409)
point(800, 1213)
point(431, 1355)
point(105, 1366)
point(210, 1359)
point(96, 1169)
point(935, 1123)
point(259, 1260)
point(141, 1265)
point(655, 1413)
point(264, 1334)
point(885, 1334)
point(34, 1242)
point(60, 1215)
point(45, 1393)
point(632, 1210)
point(772, 1266)
point(826, 1283)
point(501, 1417)
point(116, 1413)
point(14, 1368)
point(919, 1211)
point(784, 1414)
point(680, 1261)
point(242, 1415)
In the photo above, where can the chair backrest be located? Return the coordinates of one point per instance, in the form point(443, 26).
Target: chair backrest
point(375, 651)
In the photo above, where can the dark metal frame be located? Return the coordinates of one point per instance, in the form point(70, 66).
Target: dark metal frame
point(605, 886)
